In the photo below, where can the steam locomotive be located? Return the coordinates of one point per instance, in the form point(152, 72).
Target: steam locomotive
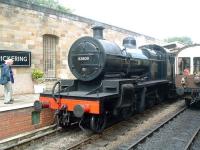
point(110, 81)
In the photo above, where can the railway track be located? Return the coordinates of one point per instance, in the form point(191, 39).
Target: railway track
point(86, 141)
point(192, 140)
point(20, 140)
point(93, 140)
point(142, 139)
point(94, 137)
point(179, 133)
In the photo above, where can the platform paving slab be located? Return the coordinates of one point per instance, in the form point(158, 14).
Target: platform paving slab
point(20, 101)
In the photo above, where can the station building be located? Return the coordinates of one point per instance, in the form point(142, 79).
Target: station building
point(45, 36)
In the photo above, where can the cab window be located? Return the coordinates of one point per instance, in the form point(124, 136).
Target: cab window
point(183, 63)
point(196, 64)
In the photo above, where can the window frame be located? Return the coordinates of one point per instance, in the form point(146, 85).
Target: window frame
point(183, 67)
point(50, 43)
point(195, 66)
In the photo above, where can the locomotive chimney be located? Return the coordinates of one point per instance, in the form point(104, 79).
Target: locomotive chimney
point(98, 32)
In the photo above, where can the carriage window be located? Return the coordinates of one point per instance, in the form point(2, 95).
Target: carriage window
point(183, 63)
point(196, 63)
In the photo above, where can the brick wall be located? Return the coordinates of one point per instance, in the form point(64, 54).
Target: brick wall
point(14, 122)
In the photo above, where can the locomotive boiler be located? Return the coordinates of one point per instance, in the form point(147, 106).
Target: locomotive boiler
point(94, 57)
point(110, 81)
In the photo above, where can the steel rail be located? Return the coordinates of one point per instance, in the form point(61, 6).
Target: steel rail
point(93, 137)
point(30, 137)
point(188, 146)
point(85, 141)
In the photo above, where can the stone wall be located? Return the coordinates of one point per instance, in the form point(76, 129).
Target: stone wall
point(23, 25)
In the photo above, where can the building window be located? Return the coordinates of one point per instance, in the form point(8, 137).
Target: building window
point(196, 63)
point(49, 52)
point(183, 63)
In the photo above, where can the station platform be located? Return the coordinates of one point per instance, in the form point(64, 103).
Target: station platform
point(20, 101)
point(20, 117)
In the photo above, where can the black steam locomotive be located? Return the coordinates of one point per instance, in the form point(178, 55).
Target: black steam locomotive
point(110, 81)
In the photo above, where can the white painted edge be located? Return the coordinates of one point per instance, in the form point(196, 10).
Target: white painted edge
point(14, 107)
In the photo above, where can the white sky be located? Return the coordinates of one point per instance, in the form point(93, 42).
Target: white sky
point(156, 18)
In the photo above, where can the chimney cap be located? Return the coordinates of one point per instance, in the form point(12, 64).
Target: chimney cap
point(98, 27)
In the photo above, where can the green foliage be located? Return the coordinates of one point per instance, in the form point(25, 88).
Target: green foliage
point(53, 4)
point(37, 75)
point(186, 40)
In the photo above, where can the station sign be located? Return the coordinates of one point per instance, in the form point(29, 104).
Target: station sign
point(20, 58)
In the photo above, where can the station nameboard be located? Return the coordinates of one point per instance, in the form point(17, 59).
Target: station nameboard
point(20, 58)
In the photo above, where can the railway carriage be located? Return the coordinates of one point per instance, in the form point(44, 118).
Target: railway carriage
point(188, 73)
point(110, 81)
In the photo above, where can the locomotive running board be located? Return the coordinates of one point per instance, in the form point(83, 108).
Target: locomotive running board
point(150, 83)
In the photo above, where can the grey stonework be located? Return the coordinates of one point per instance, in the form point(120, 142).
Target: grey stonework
point(23, 25)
